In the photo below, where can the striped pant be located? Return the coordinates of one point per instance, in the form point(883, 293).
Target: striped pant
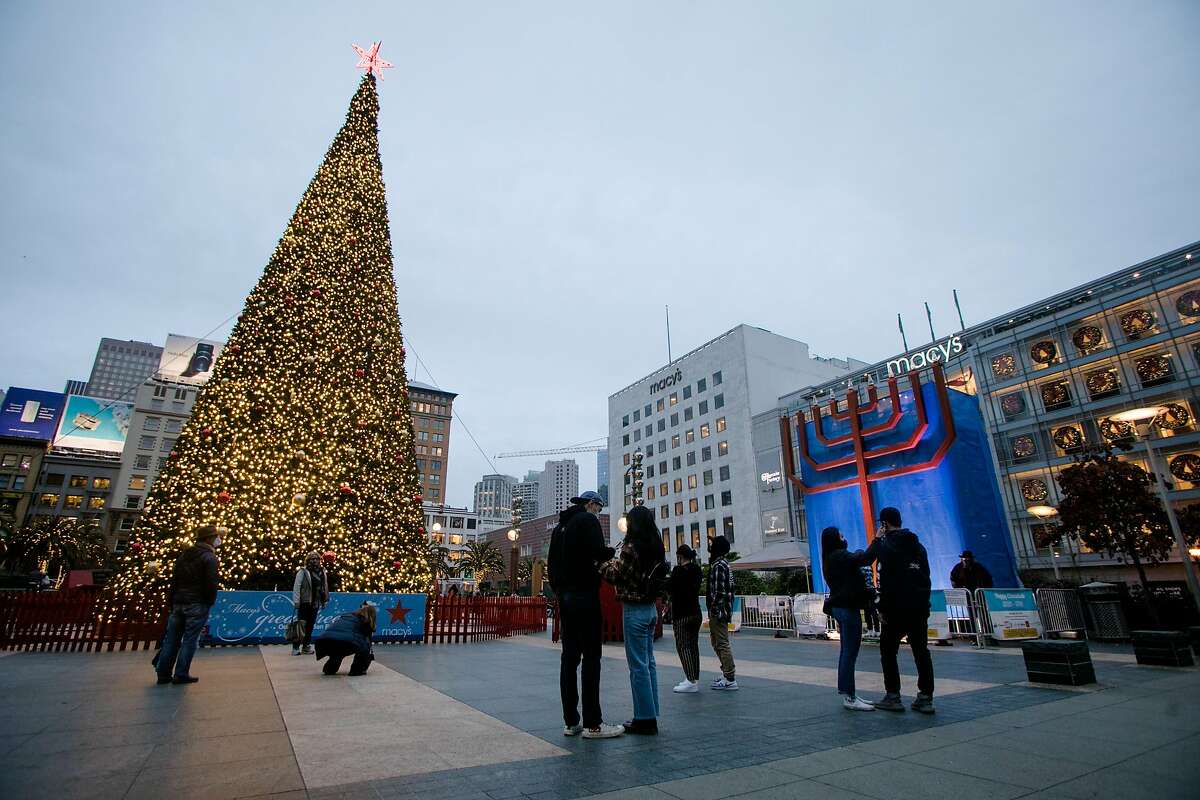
point(687, 643)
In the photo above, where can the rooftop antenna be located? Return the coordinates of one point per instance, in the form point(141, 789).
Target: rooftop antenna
point(668, 308)
point(903, 338)
point(962, 325)
point(929, 316)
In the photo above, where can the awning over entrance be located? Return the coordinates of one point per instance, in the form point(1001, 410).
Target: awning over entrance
point(775, 556)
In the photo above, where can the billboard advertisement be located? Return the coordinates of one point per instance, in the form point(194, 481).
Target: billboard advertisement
point(240, 617)
point(30, 413)
point(186, 359)
point(89, 423)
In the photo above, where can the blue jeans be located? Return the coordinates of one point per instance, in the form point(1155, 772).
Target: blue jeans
point(182, 637)
point(640, 620)
point(850, 624)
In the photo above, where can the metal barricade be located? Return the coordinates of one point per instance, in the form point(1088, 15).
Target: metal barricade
point(1061, 612)
point(983, 620)
point(768, 612)
point(960, 616)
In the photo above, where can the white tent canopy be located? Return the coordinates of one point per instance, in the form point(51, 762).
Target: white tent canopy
point(775, 556)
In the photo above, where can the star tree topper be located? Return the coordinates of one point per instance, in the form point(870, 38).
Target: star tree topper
point(370, 61)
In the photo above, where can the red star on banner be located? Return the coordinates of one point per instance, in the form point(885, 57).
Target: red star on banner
point(370, 61)
point(398, 614)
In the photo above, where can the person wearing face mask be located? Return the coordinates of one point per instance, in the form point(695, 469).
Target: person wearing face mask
point(310, 593)
point(191, 595)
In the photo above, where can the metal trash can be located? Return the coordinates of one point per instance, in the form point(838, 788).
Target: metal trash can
point(1105, 617)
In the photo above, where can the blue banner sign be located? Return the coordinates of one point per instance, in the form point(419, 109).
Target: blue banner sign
point(262, 617)
point(1013, 613)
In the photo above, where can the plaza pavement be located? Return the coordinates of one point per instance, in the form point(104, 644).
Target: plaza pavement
point(482, 722)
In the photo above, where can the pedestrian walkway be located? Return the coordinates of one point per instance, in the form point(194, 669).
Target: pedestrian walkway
point(482, 722)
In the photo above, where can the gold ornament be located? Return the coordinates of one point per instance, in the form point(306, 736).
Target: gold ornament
point(1067, 437)
point(1034, 490)
point(1152, 369)
point(1004, 366)
point(1137, 323)
point(1102, 382)
point(1113, 429)
point(1044, 352)
point(1087, 339)
point(1023, 446)
point(1186, 467)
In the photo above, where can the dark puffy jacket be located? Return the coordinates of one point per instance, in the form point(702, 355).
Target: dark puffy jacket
point(195, 577)
point(904, 585)
point(970, 578)
point(577, 549)
point(684, 588)
point(843, 573)
point(349, 629)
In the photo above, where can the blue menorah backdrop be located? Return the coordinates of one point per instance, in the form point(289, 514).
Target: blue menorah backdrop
point(953, 503)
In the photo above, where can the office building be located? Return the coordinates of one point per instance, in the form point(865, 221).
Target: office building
point(558, 483)
point(493, 496)
point(432, 410)
point(75, 484)
point(528, 490)
point(692, 421)
point(122, 366)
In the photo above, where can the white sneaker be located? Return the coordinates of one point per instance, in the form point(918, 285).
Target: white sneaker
point(722, 685)
point(687, 687)
point(603, 732)
point(856, 704)
point(572, 730)
point(295, 651)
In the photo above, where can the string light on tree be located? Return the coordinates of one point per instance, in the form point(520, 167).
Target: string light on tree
point(283, 448)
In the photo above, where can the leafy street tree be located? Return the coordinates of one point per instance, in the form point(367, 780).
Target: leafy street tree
point(1109, 505)
point(439, 561)
point(483, 559)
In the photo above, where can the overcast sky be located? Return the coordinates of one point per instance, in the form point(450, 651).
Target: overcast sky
point(558, 171)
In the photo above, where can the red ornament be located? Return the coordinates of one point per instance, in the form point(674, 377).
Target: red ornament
point(418, 497)
point(358, 373)
point(316, 292)
point(421, 530)
point(207, 432)
point(172, 454)
point(402, 351)
point(345, 489)
point(225, 498)
point(397, 564)
point(352, 239)
point(135, 546)
point(328, 557)
point(291, 298)
point(235, 348)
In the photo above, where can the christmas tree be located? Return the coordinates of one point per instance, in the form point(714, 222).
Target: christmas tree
point(302, 440)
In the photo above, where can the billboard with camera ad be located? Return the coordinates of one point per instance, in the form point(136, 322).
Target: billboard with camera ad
point(30, 413)
point(186, 359)
point(89, 423)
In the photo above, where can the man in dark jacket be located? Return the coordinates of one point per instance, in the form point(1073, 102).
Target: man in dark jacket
point(969, 574)
point(191, 595)
point(904, 589)
point(576, 549)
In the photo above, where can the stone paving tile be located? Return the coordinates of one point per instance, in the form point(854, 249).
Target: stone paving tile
point(725, 783)
point(1003, 765)
point(898, 780)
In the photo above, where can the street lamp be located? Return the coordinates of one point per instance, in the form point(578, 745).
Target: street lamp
point(514, 533)
point(1045, 514)
point(1144, 419)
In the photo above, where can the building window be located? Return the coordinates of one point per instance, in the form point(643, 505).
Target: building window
point(678, 485)
point(660, 405)
point(146, 442)
point(707, 477)
point(674, 398)
point(439, 437)
point(728, 524)
point(678, 536)
point(703, 409)
point(717, 378)
point(701, 385)
point(625, 421)
point(674, 441)
point(4, 479)
point(687, 414)
point(10, 460)
point(693, 505)
point(152, 424)
point(162, 463)
point(137, 481)
point(650, 471)
point(689, 436)
point(166, 445)
point(54, 479)
point(173, 426)
point(724, 472)
point(101, 484)
point(132, 500)
point(78, 482)
point(662, 445)
point(666, 537)
point(663, 489)
point(650, 492)
point(679, 508)
point(435, 465)
point(706, 454)
point(705, 431)
point(691, 458)
point(18, 482)
point(647, 411)
point(687, 392)
point(637, 435)
point(637, 414)
point(719, 401)
point(435, 493)
point(126, 523)
point(141, 462)
point(720, 424)
point(709, 502)
point(664, 511)
point(625, 440)
point(662, 467)
point(674, 420)
point(96, 503)
point(722, 448)
point(649, 431)
point(48, 500)
point(675, 462)
point(727, 498)
point(625, 458)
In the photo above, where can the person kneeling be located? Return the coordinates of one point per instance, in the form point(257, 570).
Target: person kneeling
point(348, 635)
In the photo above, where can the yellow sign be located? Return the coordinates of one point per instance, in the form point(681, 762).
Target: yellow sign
point(1020, 633)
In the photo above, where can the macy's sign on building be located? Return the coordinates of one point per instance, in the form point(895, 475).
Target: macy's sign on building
point(919, 359)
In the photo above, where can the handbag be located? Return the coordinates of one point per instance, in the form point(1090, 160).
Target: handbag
point(295, 631)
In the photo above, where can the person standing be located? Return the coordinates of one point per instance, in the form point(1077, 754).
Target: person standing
point(849, 596)
point(719, 595)
point(310, 593)
point(969, 574)
point(577, 549)
point(684, 590)
point(348, 635)
point(904, 590)
point(191, 595)
point(638, 575)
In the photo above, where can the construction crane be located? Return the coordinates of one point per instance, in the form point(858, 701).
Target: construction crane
point(594, 448)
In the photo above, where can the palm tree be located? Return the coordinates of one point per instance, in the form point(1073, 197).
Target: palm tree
point(64, 543)
point(482, 558)
point(438, 558)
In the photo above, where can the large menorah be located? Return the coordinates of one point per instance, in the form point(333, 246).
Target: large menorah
point(857, 441)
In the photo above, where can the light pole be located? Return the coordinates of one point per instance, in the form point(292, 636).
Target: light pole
point(1144, 420)
point(1046, 514)
point(514, 533)
point(633, 479)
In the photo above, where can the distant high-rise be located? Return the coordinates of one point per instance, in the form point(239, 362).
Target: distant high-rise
point(121, 367)
point(559, 483)
point(602, 474)
point(493, 496)
point(432, 410)
point(528, 491)
point(75, 387)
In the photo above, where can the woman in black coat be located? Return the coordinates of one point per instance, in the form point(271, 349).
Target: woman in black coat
point(684, 590)
point(348, 635)
point(849, 595)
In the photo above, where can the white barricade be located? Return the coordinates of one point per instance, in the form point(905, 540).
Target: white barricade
point(810, 618)
point(767, 612)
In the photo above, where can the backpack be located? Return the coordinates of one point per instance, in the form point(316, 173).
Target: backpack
point(654, 582)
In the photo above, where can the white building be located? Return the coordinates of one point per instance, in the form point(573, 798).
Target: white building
point(558, 484)
point(120, 367)
point(692, 421)
point(493, 496)
point(529, 491)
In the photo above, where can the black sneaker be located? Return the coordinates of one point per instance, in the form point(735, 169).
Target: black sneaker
point(184, 679)
point(924, 704)
point(162, 680)
point(890, 702)
point(642, 727)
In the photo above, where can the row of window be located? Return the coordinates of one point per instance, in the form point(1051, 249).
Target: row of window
point(688, 416)
point(76, 481)
point(160, 393)
point(148, 443)
point(428, 408)
point(16, 481)
point(173, 424)
point(423, 436)
point(673, 399)
point(16, 461)
point(423, 450)
point(693, 505)
point(689, 436)
point(677, 462)
point(50, 500)
point(432, 424)
point(434, 465)
point(710, 532)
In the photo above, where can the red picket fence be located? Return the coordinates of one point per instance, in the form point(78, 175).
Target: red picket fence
point(458, 618)
point(612, 617)
point(67, 621)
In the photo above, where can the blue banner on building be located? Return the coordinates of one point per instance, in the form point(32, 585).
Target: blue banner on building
point(262, 617)
point(30, 413)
